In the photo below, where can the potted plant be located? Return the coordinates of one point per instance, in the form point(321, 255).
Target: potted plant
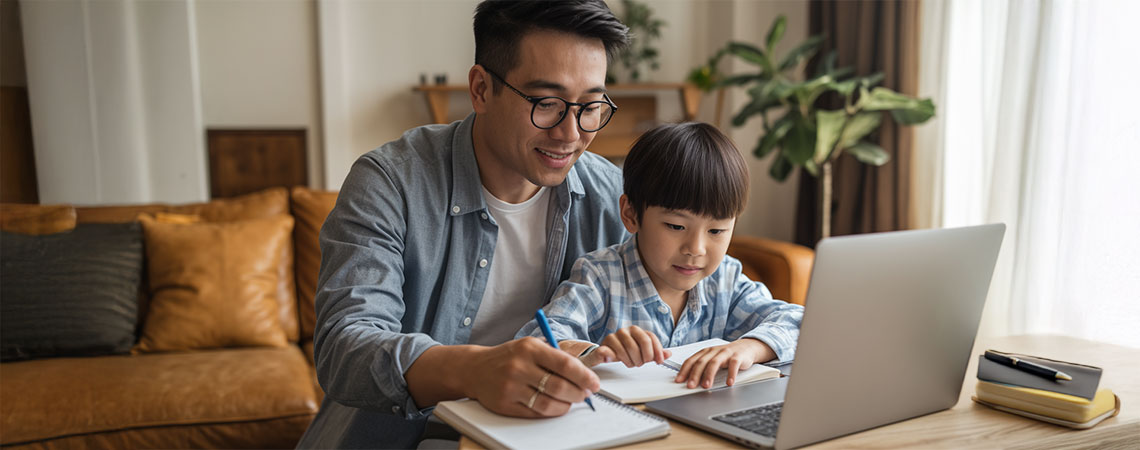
point(808, 134)
point(644, 29)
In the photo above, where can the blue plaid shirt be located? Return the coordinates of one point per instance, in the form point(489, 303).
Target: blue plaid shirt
point(609, 289)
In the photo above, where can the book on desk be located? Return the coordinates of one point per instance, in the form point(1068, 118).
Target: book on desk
point(1077, 403)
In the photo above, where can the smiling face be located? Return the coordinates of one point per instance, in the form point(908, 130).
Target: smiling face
point(678, 248)
point(514, 156)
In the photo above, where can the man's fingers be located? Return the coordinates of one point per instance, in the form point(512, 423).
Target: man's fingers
point(564, 367)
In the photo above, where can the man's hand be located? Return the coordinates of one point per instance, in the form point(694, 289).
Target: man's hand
point(630, 345)
point(702, 367)
point(521, 378)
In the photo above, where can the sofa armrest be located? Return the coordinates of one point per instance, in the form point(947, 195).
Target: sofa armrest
point(782, 266)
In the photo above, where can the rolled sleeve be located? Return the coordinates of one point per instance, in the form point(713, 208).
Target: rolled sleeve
point(361, 355)
point(755, 314)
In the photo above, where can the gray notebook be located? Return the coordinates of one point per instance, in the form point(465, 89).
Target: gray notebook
point(1084, 383)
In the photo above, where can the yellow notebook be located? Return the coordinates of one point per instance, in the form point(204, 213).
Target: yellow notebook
point(1052, 407)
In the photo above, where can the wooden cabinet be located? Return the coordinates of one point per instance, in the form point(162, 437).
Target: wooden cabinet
point(637, 111)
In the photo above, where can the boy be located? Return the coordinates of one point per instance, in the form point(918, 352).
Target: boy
point(671, 284)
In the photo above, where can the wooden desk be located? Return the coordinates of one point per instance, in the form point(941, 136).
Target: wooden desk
point(970, 425)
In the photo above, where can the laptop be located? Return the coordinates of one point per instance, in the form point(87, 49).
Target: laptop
point(887, 333)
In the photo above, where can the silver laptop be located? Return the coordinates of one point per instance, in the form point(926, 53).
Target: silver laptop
point(888, 329)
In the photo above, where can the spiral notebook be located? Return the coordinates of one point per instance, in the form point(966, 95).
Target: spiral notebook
point(613, 424)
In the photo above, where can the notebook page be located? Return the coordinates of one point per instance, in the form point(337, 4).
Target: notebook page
point(613, 424)
point(655, 382)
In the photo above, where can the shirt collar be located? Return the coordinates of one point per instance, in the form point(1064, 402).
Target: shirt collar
point(467, 187)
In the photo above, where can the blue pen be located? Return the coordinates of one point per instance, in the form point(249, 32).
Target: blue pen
point(540, 317)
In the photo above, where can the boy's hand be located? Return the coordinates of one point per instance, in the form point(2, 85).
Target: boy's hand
point(632, 346)
point(702, 367)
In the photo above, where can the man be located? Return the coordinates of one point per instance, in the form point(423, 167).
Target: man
point(456, 234)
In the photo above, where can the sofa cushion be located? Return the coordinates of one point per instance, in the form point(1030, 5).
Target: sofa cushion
point(258, 205)
point(310, 209)
point(214, 285)
point(165, 400)
point(70, 294)
point(36, 219)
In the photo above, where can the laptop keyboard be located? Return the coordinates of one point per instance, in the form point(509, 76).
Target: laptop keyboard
point(762, 420)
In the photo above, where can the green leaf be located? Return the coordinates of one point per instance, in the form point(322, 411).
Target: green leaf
point(869, 153)
point(845, 88)
point(750, 53)
point(780, 168)
point(772, 138)
point(828, 126)
point(859, 126)
point(922, 112)
point(799, 145)
point(803, 51)
point(776, 32)
point(738, 80)
point(827, 64)
point(870, 80)
point(906, 110)
point(808, 91)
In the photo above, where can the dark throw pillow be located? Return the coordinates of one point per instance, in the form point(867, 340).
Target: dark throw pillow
point(70, 294)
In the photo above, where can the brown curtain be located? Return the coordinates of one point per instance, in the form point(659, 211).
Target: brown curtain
point(870, 36)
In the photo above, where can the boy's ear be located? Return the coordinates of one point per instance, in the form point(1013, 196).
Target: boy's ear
point(628, 214)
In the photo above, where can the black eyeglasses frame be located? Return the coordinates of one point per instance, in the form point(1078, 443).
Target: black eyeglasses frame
point(534, 101)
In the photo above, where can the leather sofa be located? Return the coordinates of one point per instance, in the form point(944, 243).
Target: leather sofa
point(234, 397)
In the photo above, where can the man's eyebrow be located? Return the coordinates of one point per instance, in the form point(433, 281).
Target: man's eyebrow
point(544, 84)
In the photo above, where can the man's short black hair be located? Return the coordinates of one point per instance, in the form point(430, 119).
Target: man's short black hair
point(501, 24)
point(686, 166)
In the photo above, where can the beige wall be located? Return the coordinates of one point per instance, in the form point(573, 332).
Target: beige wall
point(259, 68)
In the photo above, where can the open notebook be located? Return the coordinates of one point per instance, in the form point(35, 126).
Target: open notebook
point(611, 425)
point(655, 382)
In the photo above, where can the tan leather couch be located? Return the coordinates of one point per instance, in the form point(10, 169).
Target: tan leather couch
point(261, 397)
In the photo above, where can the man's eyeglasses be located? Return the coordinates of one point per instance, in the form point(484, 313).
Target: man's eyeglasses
point(548, 112)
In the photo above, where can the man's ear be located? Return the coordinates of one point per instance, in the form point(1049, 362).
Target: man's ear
point(479, 87)
point(628, 214)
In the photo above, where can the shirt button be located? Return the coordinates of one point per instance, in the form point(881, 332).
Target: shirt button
point(484, 216)
point(396, 409)
point(455, 209)
point(466, 321)
point(662, 309)
point(482, 263)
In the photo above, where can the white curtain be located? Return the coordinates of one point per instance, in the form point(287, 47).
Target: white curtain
point(1038, 127)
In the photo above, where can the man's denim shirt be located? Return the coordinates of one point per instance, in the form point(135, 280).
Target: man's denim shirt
point(405, 256)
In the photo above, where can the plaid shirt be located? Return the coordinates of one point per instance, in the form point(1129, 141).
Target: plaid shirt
point(609, 289)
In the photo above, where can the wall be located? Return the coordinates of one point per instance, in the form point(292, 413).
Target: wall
point(259, 68)
point(369, 67)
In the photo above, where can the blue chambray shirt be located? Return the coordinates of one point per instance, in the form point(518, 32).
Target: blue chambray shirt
point(609, 289)
point(402, 270)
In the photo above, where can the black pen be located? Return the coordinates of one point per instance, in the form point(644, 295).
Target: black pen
point(1033, 368)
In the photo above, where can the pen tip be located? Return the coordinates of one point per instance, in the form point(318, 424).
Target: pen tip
point(1063, 376)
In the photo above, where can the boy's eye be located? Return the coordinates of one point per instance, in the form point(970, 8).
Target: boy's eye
point(716, 231)
point(674, 227)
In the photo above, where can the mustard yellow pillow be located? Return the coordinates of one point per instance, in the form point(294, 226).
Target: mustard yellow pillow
point(214, 285)
point(36, 219)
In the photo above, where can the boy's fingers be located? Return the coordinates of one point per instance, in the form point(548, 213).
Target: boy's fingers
point(644, 341)
point(712, 367)
point(733, 368)
point(658, 351)
point(631, 349)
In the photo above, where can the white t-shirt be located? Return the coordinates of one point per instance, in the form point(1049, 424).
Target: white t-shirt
point(516, 284)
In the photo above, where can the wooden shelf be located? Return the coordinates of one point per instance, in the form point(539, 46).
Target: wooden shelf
point(637, 107)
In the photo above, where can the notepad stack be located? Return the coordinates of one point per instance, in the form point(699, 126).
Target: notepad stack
point(1079, 403)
